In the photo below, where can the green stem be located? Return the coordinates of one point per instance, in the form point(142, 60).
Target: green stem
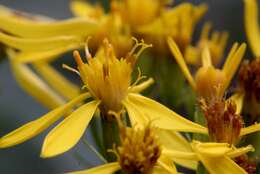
point(110, 136)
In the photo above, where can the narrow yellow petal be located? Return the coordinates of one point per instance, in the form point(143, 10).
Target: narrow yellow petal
point(136, 117)
point(64, 136)
point(48, 55)
point(211, 149)
point(56, 80)
point(240, 151)
point(166, 163)
point(161, 116)
point(35, 127)
point(175, 141)
point(231, 65)
point(206, 59)
point(180, 60)
point(214, 158)
point(250, 129)
point(179, 154)
point(81, 8)
point(142, 86)
point(108, 168)
point(223, 165)
point(33, 85)
point(252, 26)
point(38, 28)
point(238, 98)
point(38, 44)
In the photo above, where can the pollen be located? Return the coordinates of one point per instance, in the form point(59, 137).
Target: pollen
point(139, 150)
point(223, 123)
point(107, 77)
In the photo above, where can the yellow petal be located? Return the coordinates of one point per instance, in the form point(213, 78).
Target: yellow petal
point(250, 129)
point(175, 141)
point(142, 86)
point(231, 65)
point(35, 127)
point(166, 163)
point(161, 116)
point(64, 136)
point(38, 28)
point(109, 168)
point(238, 98)
point(221, 165)
point(33, 85)
point(240, 151)
point(48, 55)
point(180, 60)
point(211, 149)
point(56, 80)
point(252, 26)
point(179, 154)
point(81, 8)
point(214, 158)
point(206, 59)
point(39, 44)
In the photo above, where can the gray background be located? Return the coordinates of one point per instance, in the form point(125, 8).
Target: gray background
point(17, 108)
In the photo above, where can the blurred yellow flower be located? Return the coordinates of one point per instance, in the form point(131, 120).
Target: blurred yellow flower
point(210, 82)
point(216, 42)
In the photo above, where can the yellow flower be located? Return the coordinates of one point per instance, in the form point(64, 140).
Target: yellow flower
point(216, 44)
point(178, 22)
point(108, 81)
point(216, 157)
point(209, 81)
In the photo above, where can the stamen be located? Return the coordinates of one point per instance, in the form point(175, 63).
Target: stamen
point(88, 55)
point(70, 69)
point(139, 77)
point(77, 58)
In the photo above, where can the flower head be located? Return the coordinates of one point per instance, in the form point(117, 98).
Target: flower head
point(210, 82)
point(223, 123)
point(139, 149)
point(106, 77)
point(216, 42)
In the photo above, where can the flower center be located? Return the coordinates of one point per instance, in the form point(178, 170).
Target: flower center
point(223, 123)
point(106, 77)
point(208, 80)
point(139, 150)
